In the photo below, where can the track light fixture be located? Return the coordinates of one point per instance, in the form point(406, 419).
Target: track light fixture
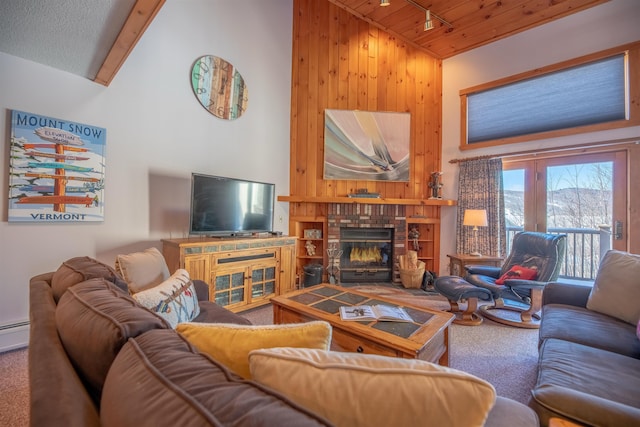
point(433, 15)
point(429, 16)
point(428, 22)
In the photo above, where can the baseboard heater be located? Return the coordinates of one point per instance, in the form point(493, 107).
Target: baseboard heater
point(14, 335)
point(14, 325)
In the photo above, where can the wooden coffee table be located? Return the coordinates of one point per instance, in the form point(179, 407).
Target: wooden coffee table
point(427, 338)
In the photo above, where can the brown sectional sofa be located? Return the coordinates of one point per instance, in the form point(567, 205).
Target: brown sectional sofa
point(96, 357)
point(589, 365)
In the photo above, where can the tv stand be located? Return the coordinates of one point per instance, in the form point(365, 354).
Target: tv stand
point(242, 272)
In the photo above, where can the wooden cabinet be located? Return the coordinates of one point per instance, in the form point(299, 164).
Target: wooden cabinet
point(287, 269)
point(244, 279)
point(197, 266)
point(241, 273)
point(427, 244)
point(311, 233)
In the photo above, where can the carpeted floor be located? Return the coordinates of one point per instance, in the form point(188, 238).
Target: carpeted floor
point(506, 357)
point(14, 388)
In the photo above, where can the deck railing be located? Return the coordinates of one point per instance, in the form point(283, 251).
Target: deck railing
point(585, 248)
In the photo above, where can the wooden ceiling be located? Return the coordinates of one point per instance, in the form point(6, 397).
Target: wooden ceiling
point(473, 22)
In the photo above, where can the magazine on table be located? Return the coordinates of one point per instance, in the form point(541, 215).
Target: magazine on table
point(375, 312)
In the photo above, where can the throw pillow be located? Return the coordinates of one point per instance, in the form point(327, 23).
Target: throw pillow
point(142, 270)
point(518, 272)
point(616, 290)
point(94, 319)
point(174, 299)
point(230, 344)
point(159, 379)
point(80, 269)
point(354, 389)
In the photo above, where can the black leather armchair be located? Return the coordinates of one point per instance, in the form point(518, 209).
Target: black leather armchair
point(541, 251)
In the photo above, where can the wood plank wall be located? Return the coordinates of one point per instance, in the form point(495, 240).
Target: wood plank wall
point(342, 62)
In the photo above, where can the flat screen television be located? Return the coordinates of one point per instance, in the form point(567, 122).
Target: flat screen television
point(223, 206)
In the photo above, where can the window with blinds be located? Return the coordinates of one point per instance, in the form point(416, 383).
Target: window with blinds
point(586, 94)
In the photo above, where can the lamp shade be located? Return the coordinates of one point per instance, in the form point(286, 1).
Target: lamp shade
point(475, 217)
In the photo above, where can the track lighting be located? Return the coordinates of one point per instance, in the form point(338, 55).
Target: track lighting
point(428, 23)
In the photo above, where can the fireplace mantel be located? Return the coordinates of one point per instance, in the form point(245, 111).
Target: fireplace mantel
point(367, 200)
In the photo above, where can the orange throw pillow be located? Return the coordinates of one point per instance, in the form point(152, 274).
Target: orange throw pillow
point(518, 272)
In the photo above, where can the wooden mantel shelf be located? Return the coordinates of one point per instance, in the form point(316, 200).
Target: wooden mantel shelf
point(367, 200)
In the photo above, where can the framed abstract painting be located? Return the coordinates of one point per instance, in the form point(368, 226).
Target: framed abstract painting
point(366, 145)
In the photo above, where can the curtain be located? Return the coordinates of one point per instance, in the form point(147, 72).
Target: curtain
point(480, 187)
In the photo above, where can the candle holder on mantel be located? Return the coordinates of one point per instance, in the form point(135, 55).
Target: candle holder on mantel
point(334, 257)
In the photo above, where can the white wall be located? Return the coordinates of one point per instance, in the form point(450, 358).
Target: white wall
point(612, 24)
point(157, 134)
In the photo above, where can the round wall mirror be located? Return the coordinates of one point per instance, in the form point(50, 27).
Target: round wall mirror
point(219, 87)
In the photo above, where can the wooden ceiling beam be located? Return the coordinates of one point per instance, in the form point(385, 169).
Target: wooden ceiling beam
point(141, 15)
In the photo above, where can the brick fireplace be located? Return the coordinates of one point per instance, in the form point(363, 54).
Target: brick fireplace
point(344, 218)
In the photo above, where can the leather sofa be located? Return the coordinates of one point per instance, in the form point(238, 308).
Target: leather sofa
point(589, 362)
point(97, 357)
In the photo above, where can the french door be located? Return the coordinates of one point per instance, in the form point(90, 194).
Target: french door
point(583, 196)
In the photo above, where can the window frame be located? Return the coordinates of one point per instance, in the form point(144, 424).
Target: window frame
point(632, 52)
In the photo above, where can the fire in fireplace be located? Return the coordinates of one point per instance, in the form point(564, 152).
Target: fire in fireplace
point(367, 254)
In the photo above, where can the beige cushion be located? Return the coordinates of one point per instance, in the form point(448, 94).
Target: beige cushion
point(174, 299)
point(142, 270)
point(616, 291)
point(352, 389)
point(230, 344)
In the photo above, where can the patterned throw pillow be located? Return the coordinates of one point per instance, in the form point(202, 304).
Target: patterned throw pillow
point(174, 299)
point(518, 272)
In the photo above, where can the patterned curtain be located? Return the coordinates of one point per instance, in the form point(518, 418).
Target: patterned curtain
point(481, 187)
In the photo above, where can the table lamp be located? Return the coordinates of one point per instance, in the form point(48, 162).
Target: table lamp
point(476, 218)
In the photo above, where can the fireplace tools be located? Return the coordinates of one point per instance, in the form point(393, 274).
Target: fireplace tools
point(334, 259)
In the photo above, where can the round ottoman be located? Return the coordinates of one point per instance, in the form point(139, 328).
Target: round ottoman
point(456, 289)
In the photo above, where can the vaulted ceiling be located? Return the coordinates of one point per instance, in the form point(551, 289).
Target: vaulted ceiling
point(92, 38)
point(89, 38)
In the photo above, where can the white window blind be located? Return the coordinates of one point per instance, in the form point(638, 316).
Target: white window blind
point(586, 94)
